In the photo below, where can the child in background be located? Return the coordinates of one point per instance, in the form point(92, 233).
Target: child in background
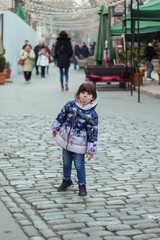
point(43, 61)
point(76, 129)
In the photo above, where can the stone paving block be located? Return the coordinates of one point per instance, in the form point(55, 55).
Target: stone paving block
point(115, 202)
point(128, 233)
point(155, 238)
point(89, 230)
point(116, 238)
point(15, 210)
point(143, 226)
point(153, 230)
point(62, 233)
point(37, 238)
point(54, 238)
point(47, 233)
point(144, 237)
point(74, 236)
point(25, 222)
point(129, 218)
point(69, 226)
point(59, 221)
point(90, 238)
point(30, 231)
point(117, 227)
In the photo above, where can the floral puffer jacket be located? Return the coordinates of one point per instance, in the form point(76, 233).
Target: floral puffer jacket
point(77, 127)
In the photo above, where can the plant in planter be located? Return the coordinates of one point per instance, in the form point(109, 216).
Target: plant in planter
point(8, 70)
point(122, 56)
point(2, 67)
point(157, 48)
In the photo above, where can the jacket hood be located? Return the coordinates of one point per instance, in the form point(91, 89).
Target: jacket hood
point(90, 105)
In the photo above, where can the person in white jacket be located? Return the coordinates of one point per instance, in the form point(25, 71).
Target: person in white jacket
point(43, 61)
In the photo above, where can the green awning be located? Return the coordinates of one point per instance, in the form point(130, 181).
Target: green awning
point(144, 27)
point(150, 15)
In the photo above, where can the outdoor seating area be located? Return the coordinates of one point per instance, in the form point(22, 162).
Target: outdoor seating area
point(85, 61)
point(118, 73)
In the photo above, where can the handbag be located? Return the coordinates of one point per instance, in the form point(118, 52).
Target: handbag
point(21, 62)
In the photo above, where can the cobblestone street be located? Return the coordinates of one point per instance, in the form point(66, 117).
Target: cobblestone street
point(123, 181)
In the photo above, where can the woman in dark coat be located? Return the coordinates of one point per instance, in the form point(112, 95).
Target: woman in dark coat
point(63, 53)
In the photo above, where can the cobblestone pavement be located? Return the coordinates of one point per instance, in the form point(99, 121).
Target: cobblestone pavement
point(123, 181)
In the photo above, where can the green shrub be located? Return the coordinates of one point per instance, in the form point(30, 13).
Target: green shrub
point(2, 63)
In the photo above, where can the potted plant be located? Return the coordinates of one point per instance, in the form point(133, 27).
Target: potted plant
point(122, 57)
point(2, 67)
point(8, 70)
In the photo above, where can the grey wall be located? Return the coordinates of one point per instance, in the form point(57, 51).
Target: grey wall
point(15, 32)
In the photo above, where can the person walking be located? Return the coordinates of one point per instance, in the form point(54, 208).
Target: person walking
point(53, 52)
point(26, 43)
point(28, 56)
point(84, 50)
point(76, 129)
point(43, 61)
point(63, 53)
point(37, 49)
point(150, 53)
point(76, 54)
point(49, 56)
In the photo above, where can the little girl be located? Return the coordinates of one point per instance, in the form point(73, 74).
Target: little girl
point(76, 129)
point(43, 61)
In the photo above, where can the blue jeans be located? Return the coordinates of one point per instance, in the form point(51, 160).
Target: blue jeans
point(79, 163)
point(62, 73)
point(150, 68)
point(75, 63)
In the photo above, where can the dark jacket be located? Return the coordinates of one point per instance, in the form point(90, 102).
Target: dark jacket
point(63, 52)
point(85, 52)
point(77, 51)
point(150, 52)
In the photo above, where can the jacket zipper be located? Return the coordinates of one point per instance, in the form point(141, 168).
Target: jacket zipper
point(71, 127)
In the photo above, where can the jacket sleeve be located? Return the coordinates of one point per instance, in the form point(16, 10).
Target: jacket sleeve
point(59, 121)
point(56, 50)
point(22, 55)
point(70, 50)
point(32, 55)
point(92, 133)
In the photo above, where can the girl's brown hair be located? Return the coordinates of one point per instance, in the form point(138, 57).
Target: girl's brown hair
point(89, 87)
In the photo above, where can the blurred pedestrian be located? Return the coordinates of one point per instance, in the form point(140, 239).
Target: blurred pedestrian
point(26, 43)
point(49, 56)
point(76, 129)
point(63, 53)
point(53, 52)
point(43, 61)
point(37, 49)
point(84, 50)
point(77, 52)
point(150, 53)
point(28, 55)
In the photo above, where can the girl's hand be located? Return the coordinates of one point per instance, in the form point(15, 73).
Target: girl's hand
point(89, 155)
point(54, 133)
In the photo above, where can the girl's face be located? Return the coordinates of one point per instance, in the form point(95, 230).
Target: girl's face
point(85, 98)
